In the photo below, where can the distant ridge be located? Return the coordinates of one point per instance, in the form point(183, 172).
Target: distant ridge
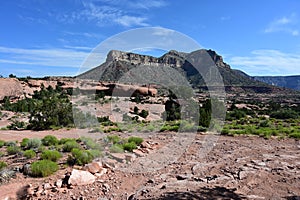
point(292, 82)
point(118, 63)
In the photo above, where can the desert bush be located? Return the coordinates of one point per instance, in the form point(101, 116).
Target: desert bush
point(284, 114)
point(52, 155)
point(116, 148)
point(29, 154)
point(126, 118)
point(43, 168)
point(12, 150)
point(169, 128)
point(111, 129)
point(90, 143)
point(34, 143)
point(16, 125)
point(264, 123)
point(80, 157)
point(295, 135)
point(24, 143)
point(50, 140)
point(235, 114)
point(144, 113)
point(251, 130)
point(187, 126)
point(1, 154)
point(105, 121)
point(95, 153)
point(69, 145)
point(96, 130)
point(129, 146)
point(64, 140)
point(135, 110)
point(10, 143)
point(114, 139)
point(225, 131)
point(2, 165)
point(136, 140)
point(149, 128)
point(2, 143)
point(41, 148)
point(52, 108)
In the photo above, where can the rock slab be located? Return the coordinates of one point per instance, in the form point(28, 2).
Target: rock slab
point(79, 177)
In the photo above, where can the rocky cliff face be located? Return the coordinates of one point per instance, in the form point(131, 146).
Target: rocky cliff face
point(172, 58)
point(121, 64)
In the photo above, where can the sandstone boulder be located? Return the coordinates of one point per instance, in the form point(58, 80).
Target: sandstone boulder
point(93, 167)
point(80, 177)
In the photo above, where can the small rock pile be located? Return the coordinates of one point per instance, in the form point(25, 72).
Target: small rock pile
point(85, 176)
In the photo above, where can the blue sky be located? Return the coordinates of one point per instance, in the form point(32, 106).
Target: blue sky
point(42, 37)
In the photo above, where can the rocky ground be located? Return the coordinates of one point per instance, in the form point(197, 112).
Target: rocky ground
point(200, 167)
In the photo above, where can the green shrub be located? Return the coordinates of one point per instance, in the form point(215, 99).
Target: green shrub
point(149, 128)
point(114, 139)
point(10, 143)
point(116, 148)
point(2, 143)
point(34, 143)
point(1, 154)
point(105, 121)
point(90, 143)
point(69, 145)
point(12, 150)
point(135, 110)
point(187, 126)
point(80, 157)
point(16, 125)
point(225, 131)
point(24, 143)
point(129, 146)
point(41, 148)
point(295, 135)
point(2, 165)
point(284, 114)
point(95, 153)
point(64, 140)
point(144, 113)
point(111, 129)
point(169, 128)
point(43, 168)
point(52, 155)
point(126, 118)
point(50, 140)
point(136, 140)
point(235, 114)
point(29, 154)
point(264, 123)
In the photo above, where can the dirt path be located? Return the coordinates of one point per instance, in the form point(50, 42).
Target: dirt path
point(10, 135)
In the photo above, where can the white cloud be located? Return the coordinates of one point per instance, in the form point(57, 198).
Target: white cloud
point(162, 32)
point(83, 34)
point(129, 21)
point(78, 48)
point(115, 12)
point(268, 62)
point(146, 4)
point(136, 4)
point(288, 24)
point(44, 57)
